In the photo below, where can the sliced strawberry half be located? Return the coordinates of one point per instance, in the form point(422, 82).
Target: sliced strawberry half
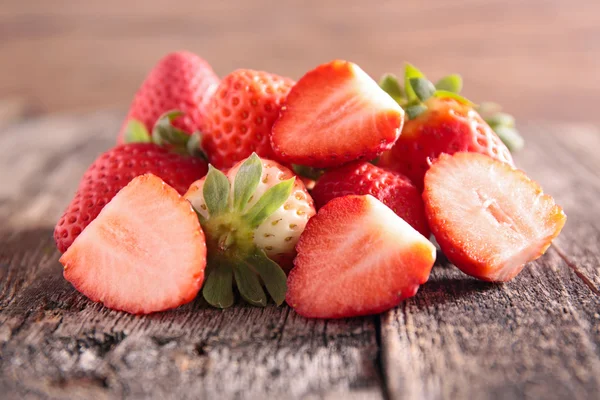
point(488, 218)
point(335, 114)
point(357, 257)
point(145, 251)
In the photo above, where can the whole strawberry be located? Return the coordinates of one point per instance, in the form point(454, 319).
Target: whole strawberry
point(181, 80)
point(241, 114)
point(114, 169)
point(392, 188)
point(252, 218)
point(439, 121)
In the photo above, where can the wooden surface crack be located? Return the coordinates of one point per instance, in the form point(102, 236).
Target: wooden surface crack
point(280, 333)
point(537, 336)
point(571, 264)
point(379, 360)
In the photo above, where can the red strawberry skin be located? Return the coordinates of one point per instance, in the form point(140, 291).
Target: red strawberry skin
point(447, 126)
point(241, 115)
point(131, 260)
point(180, 81)
point(336, 114)
point(357, 257)
point(111, 172)
point(392, 188)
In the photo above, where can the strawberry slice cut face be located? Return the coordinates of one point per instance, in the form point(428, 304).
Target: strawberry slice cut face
point(335, 114)
point(488, 218)
point(145, 252)
point(357, 257)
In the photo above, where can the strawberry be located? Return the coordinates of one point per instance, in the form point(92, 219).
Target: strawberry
point(439, 121)
point(335, 114)
point(180, 80)
point(488, 218)
point(356, 257)
point(145, 252)
point(241, 114)
point(393, 189)
point(118, 166)
point(448, 126)
point(252, 218)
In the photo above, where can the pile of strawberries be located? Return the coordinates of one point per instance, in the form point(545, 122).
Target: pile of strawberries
point(386, 166)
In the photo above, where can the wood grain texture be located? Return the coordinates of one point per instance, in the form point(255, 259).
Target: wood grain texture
point(13, 110)
point(54, 343)
point(540, 58)
point(572, 172)
point(535, 337)
point(461, 338)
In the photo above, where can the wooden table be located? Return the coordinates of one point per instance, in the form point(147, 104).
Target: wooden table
point(535, 337)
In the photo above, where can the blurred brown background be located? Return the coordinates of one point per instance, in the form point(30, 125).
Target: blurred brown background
point(539, 58)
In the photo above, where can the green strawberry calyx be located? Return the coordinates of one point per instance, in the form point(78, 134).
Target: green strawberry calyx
point(308, 172)
point(229, 231)
point(165, 134)
point(418, 89)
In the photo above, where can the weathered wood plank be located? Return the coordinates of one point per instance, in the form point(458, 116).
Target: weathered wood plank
point(461, 338)
point(42, 161)
point(13, 110)
point(54, 343)
point(571, 171)
point(537, 336)
point(573, 175)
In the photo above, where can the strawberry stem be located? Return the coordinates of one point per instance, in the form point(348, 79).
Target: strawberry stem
point(165, 134)
point(308, 172)
point(417, 89)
